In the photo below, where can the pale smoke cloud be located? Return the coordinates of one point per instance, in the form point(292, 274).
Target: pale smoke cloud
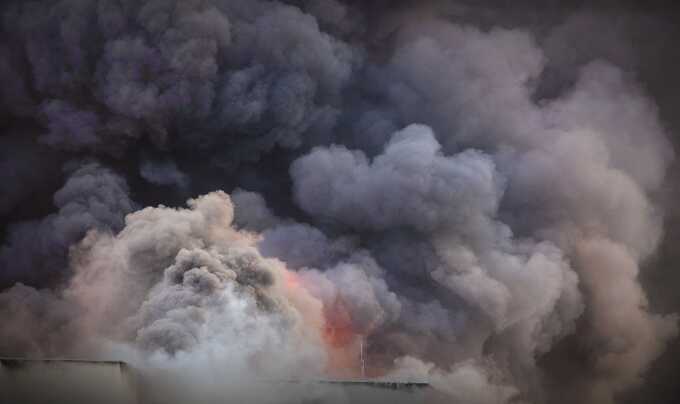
point(522, 290)
point(358, 283)
point(200, 286)
point(461, 199)
point(32, 316)
point(300, 246)
point(625, 336)
point(411, 184)
point(467, 382)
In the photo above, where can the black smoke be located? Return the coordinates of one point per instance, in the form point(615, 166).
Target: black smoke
point(484, 192)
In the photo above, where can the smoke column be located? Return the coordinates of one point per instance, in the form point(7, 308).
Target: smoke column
point(469, 194)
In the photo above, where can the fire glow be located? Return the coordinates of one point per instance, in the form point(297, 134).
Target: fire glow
point(341, 341)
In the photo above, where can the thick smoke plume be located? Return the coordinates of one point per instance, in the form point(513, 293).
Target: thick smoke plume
point(468, 193)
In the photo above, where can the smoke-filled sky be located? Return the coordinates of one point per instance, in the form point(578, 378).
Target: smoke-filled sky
point(480, 194)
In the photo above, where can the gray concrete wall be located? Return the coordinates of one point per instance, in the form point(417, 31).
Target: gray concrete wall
point(64, 382)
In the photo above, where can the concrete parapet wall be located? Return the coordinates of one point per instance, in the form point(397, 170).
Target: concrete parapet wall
point(64, 382)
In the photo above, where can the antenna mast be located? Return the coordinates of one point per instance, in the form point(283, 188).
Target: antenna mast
point(361, 357)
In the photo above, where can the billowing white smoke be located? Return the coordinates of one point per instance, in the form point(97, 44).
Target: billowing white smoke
point(183, 280)
point(432, 210)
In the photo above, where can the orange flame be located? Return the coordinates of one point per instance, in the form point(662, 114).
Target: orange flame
point(338, 332)
point(340, 339)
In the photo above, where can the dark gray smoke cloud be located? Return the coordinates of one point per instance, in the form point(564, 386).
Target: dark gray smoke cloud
point(475, 193)
point(92, 198)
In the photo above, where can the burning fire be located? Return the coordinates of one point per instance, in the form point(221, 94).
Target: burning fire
point(341, 341)
point(338, 330)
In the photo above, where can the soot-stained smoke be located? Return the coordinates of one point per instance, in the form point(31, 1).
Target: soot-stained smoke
point(468, 194)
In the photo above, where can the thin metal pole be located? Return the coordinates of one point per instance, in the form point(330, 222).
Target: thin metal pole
point(361, 355)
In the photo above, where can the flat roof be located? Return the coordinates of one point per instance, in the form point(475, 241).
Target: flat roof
point(379, 383)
